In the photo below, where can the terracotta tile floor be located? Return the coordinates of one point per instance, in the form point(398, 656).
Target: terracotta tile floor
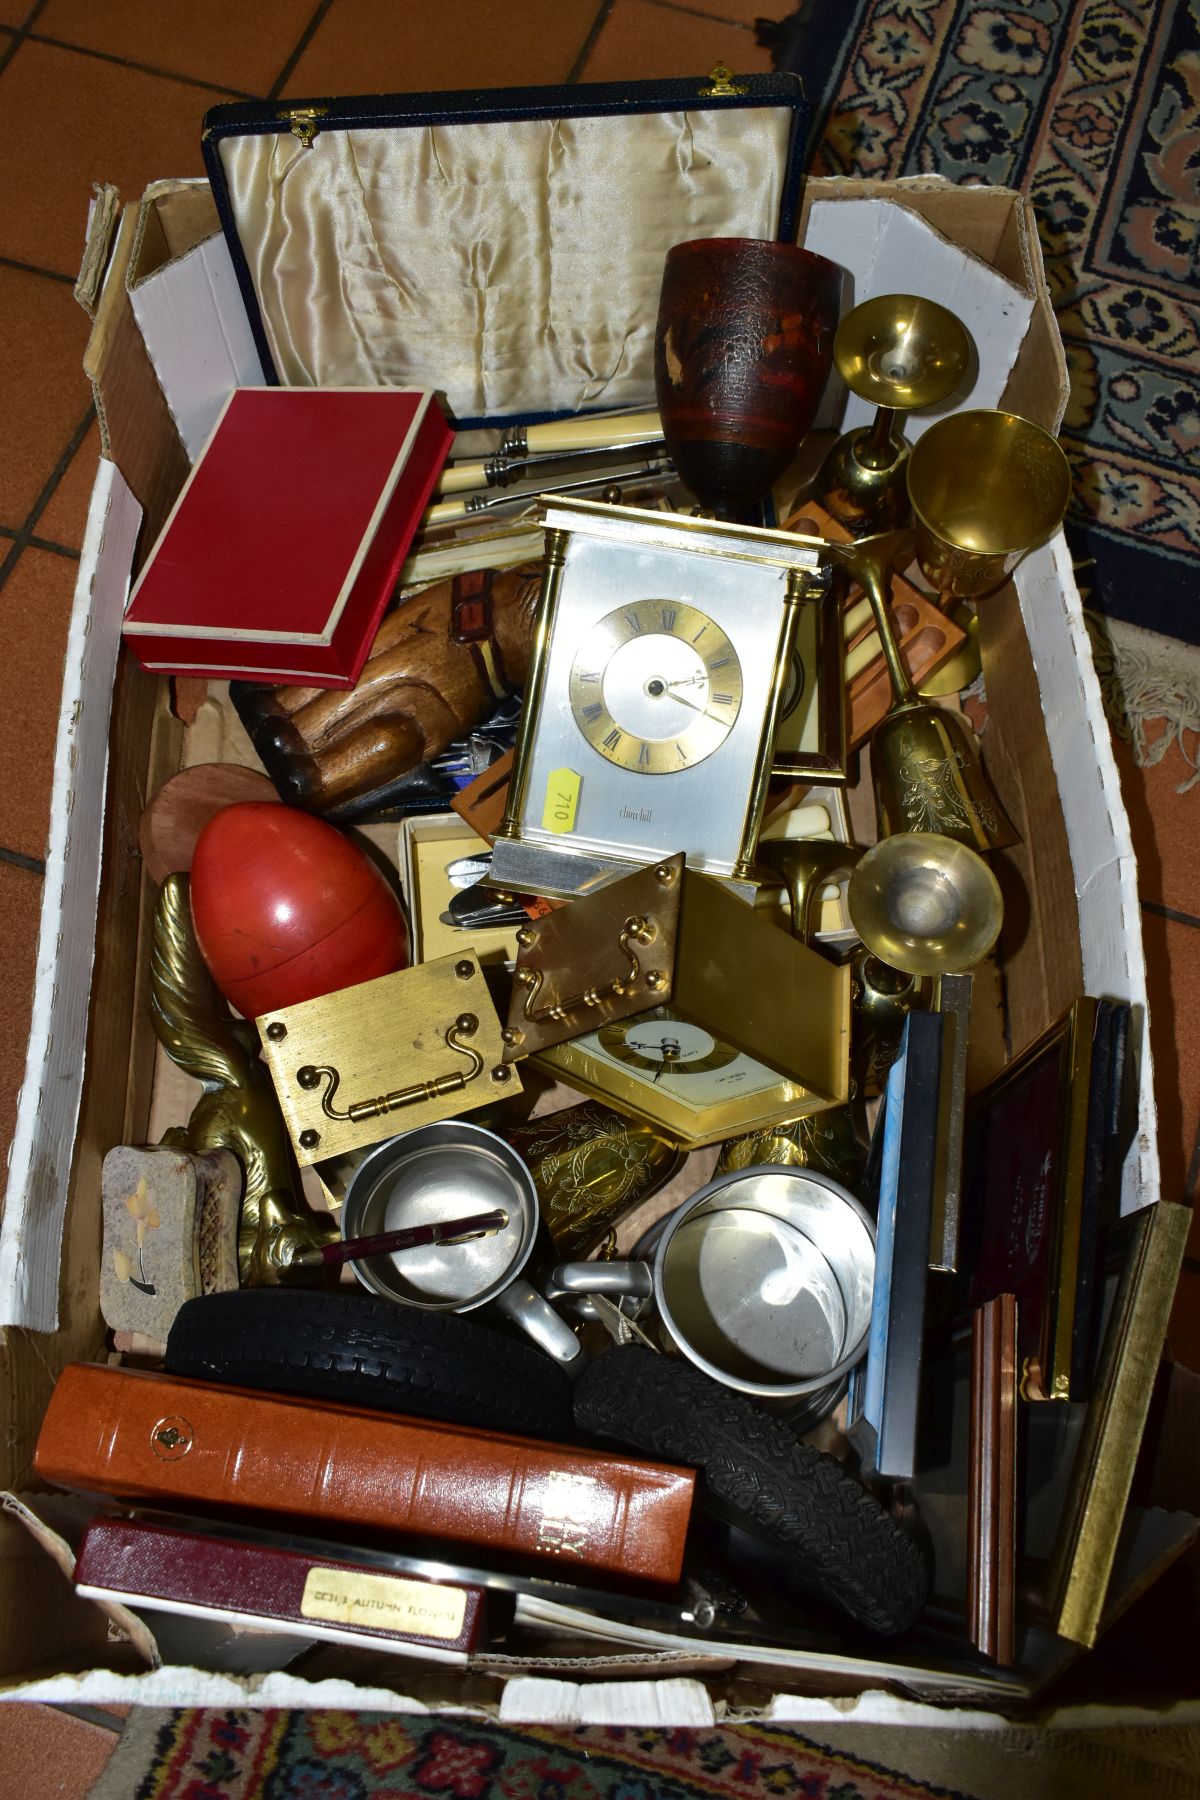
point(116, 93)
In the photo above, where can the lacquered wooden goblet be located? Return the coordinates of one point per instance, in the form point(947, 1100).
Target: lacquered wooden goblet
point(742, 352)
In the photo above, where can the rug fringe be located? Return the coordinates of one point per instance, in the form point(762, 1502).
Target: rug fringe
point(1144, 679)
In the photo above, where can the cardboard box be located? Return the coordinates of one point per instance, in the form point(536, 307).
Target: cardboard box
point(91, 1061)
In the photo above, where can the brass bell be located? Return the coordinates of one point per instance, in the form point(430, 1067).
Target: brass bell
point(900, 352)
point(925, 903)
point(924, 762)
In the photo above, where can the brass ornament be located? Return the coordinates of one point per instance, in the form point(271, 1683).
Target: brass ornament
point(591, 1166)
point(883, 998)
point(900, 353)
point(828, 1142)
point(924, 762)
point(806, 865)
point(410, 1049)
point(238, 1110)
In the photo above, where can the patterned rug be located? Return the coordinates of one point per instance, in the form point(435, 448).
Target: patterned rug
point(278, 1755)
point(1093, 108)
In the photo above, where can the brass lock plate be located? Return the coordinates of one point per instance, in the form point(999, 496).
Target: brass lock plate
point(363, 1064)
point(601, 958)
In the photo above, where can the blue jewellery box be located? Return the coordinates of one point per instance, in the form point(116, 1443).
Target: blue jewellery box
point(505, 248)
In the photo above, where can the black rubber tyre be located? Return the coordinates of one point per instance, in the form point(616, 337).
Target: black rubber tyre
point(367, 1352)
point(844, 1547)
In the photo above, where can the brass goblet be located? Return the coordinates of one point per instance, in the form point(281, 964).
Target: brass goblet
point(901, 353)
point(925, 904)
point(986, 488)
point(742, 352)
point(883, 995)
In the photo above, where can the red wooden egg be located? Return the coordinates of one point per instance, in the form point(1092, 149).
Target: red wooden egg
point(286, 908)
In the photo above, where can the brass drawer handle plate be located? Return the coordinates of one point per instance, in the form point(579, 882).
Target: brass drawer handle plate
point(310, 1076)
point(636, 930)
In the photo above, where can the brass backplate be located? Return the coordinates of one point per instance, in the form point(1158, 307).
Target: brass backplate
point(367, 1062)
point(765, 993)
point(601, 958)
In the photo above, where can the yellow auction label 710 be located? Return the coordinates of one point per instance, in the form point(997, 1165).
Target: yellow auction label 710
point(562, 800)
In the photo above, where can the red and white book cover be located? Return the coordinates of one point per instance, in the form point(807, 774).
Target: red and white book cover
point(262, 1585)
point(282, 550)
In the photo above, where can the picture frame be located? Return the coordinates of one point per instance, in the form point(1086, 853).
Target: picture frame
point(909, 1123)
point(1038, 1139)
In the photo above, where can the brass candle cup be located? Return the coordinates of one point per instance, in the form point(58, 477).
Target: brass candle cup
point(900, 353)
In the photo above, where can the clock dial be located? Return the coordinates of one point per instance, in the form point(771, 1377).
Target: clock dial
point(656, 686)
point(665, 1044)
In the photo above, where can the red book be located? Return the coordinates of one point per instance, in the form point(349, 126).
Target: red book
point(282, 550)
point(147, 1436)
point(261, 1585)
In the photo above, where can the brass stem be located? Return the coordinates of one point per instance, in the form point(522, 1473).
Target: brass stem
point(800, 590)
point(535, 681)
point(876, 450)
point(872, 571)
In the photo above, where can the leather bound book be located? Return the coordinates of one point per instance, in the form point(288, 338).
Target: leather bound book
point(264, 1585)
point(143, 1435)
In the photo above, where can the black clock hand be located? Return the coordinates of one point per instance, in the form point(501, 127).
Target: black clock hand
point(686, 700)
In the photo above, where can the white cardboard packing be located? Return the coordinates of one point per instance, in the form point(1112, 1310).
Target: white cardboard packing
point(891, 250)
point(193, 321)
point(39, 1159)
point(1098, 835)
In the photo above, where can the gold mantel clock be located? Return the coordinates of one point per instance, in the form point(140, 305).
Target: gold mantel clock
point(660, 667)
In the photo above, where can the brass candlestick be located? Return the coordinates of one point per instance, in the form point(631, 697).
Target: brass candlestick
point(900, 353)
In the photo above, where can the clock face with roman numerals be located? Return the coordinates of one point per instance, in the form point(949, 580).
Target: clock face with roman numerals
point(655, 686)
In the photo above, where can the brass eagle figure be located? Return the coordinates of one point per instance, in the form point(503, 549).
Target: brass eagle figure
point(238, 1110)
